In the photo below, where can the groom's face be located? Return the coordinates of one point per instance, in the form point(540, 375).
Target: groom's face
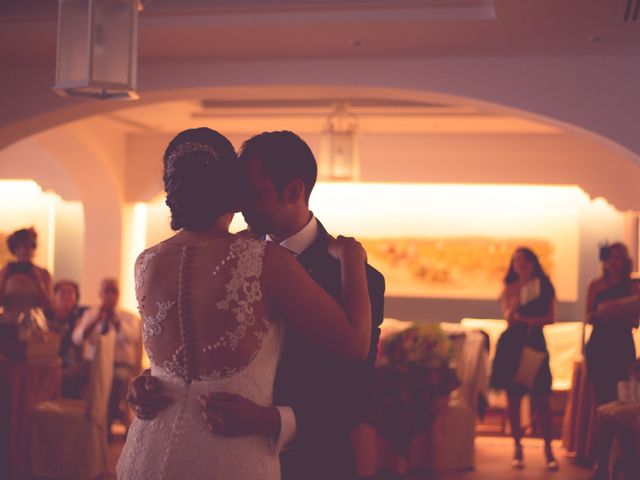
point(263, 205)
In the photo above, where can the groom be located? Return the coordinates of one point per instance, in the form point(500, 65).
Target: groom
point(318, 397)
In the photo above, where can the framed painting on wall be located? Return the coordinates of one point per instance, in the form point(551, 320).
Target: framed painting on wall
point(456, 267)
point(455, 241)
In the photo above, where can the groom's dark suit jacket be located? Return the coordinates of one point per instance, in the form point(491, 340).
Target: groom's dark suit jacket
point(328, 395)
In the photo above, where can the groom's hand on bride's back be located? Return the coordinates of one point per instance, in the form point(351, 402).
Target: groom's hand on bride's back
point(146, 396)
point(232, 415)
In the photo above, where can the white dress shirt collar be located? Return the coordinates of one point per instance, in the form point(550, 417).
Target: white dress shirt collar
point(301, 240)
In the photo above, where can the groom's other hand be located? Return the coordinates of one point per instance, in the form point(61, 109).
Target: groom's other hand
point(146, 396)
point(234, 416)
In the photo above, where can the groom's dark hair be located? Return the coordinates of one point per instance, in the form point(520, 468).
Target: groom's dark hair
point(285, 156)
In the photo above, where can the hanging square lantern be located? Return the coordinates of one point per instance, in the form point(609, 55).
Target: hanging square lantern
point(97, 48)
point(339, 158)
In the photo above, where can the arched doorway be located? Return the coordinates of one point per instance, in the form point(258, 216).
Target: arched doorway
point(405, 136)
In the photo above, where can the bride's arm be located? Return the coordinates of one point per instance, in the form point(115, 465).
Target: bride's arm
point(344, 330)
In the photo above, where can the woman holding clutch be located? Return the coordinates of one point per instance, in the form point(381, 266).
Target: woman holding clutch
point(521, 363)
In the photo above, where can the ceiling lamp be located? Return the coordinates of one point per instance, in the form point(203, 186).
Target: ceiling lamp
point(97, 48)
point(339, 152)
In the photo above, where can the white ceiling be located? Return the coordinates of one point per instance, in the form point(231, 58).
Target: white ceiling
point(207, 30)
point(268, 29)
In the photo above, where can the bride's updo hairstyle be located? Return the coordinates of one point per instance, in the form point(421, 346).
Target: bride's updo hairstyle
point(200, 178)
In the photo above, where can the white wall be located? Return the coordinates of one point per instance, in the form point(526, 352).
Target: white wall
point(592, 93)
point(59, 223)
point(69, 243)
point(585, 95)
point(594, 222)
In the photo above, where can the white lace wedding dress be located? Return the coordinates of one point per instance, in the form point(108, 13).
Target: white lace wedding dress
point(206, 329)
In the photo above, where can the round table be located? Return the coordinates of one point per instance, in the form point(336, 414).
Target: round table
point(23, 385)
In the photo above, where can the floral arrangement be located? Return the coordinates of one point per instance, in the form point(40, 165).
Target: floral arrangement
point(413, 379)
point(422, 344)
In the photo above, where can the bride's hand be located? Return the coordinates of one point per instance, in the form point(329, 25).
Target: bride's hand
point(347, 248)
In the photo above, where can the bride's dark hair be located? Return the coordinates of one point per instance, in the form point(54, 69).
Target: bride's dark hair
point(200, 178)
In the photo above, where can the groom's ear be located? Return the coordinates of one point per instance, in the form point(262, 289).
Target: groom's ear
point(294, 191)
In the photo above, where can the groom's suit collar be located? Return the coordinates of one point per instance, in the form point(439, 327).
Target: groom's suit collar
point(301, 240)
point(318, 249)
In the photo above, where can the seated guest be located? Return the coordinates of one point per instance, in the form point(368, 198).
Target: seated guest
point(618, 419)
point(65, 315)
point(23, 285)
point(98, 320)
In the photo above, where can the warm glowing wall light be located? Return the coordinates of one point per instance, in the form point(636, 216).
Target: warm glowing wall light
point(410, 210)
point(375, 209)
point(23, 203)
point(134, 241)
point(19, 188)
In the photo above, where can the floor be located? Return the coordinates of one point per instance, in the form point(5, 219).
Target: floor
point(493, 462)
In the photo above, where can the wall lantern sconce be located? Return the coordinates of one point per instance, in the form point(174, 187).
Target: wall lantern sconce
point(97, 48)
point(339, 152)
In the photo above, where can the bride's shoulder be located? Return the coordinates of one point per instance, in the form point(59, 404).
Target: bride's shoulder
point(241, 246)
point(143, 260)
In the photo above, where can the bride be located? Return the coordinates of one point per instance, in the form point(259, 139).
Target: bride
point(212, 305)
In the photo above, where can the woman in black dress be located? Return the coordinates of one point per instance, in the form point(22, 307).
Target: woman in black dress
point(610, 352)
point(23, 285)
point(528, 303)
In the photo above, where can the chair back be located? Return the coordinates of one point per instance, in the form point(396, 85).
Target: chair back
point(472, 368)
point(101, 379)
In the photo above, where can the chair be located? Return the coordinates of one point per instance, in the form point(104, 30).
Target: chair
point(69, 437)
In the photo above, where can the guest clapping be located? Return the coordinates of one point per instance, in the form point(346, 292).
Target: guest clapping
point(99, 320)
point(23, 285)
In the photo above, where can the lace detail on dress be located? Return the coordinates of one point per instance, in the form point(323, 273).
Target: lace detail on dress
point(136, 469)
point(145, 258)
point(227, 307)
point(152, 325)
point(174, 366)
point(242, 290)
point(228, 371)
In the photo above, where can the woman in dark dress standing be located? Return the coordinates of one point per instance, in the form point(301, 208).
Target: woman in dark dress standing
point(610, 352)
point(528, 303)
point(23, 285)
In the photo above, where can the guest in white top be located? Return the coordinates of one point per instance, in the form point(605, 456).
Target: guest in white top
point(97, 321)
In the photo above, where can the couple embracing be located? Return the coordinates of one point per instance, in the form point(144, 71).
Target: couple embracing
point(261, 345)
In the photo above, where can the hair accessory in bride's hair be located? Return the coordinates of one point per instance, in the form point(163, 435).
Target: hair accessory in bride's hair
point(190, 147)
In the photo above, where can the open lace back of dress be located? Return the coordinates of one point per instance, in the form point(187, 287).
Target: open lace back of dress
point(202, 308)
